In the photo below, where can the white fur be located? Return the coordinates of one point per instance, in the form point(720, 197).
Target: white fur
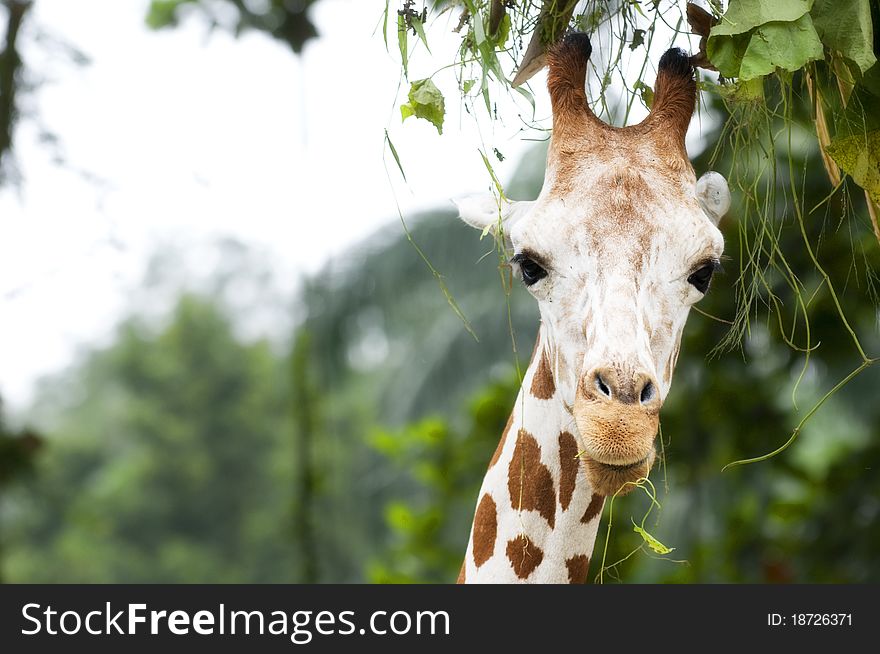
point(486, 212)
point(713, 195)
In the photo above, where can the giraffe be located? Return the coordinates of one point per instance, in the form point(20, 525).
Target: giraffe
point(620, 243)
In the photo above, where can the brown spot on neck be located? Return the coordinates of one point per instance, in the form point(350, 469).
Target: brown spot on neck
point(578, 569)
point(543, 386)
point(529, 481)
point(568, 465)
point(524, 556)
point(461, 574)
point(594, 508)
point(485, 530)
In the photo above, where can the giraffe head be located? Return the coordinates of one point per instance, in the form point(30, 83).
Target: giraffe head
point(618, 246)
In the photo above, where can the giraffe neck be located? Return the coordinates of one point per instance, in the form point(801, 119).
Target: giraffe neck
point(537, 516)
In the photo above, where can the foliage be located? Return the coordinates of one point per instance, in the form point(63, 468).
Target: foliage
point(859, 157)
point(18, 452)
point(425, 101)
point(756, 37)
point(164, 465)
point(447, 465)
point(283, 20)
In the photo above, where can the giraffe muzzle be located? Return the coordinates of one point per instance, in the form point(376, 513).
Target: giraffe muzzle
point(617, 433)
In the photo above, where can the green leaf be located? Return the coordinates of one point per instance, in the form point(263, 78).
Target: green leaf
point(845, 27)
point(638, 39)
point(781, 45)
point(726, 53)
point(744, 15)
point(645, 92)
point(467, 85)
point(425, 101)
point(528, 96)
point(498, 186)
point(420, 30)
point(859, 157)
point(394, 153)
point(479, 32)
point(755, 37)
point(503, 32)
point(652, 542)
point(402, 45)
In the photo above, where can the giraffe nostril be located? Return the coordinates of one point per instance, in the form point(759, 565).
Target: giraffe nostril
point(602, 386)
point(647, 393)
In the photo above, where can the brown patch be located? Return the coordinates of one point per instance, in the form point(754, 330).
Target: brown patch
point(501, 443)
point(594, 508)
point(675, 96)
point(568, 464)
point(529, 481)
point(524, 556)
point(543, 386)
point(566, 76)
point(461, 574)
point(485, 530)
point(578, 567)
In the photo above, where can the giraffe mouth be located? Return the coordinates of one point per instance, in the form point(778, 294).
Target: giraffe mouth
point(618, 479)
point(614, 467)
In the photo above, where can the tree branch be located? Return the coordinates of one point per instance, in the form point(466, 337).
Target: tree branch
point(10, 67)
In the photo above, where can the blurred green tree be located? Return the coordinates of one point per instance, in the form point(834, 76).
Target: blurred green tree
point(18, 451)
point(168, 462)
point(446, 465)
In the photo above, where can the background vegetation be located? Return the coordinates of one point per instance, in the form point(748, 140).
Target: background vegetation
point(353, 451)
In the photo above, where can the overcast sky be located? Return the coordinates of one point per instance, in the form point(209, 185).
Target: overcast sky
point(186, 135)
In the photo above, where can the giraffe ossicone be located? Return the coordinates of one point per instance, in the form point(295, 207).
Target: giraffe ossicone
point(620, 243)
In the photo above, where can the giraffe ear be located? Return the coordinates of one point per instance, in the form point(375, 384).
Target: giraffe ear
point(485, 211)
point(713, 196)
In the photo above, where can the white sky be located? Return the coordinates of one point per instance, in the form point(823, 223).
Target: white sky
point(184, 136)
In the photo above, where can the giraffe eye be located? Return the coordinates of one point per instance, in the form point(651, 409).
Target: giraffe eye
point(531, 272)
point(701, 277)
